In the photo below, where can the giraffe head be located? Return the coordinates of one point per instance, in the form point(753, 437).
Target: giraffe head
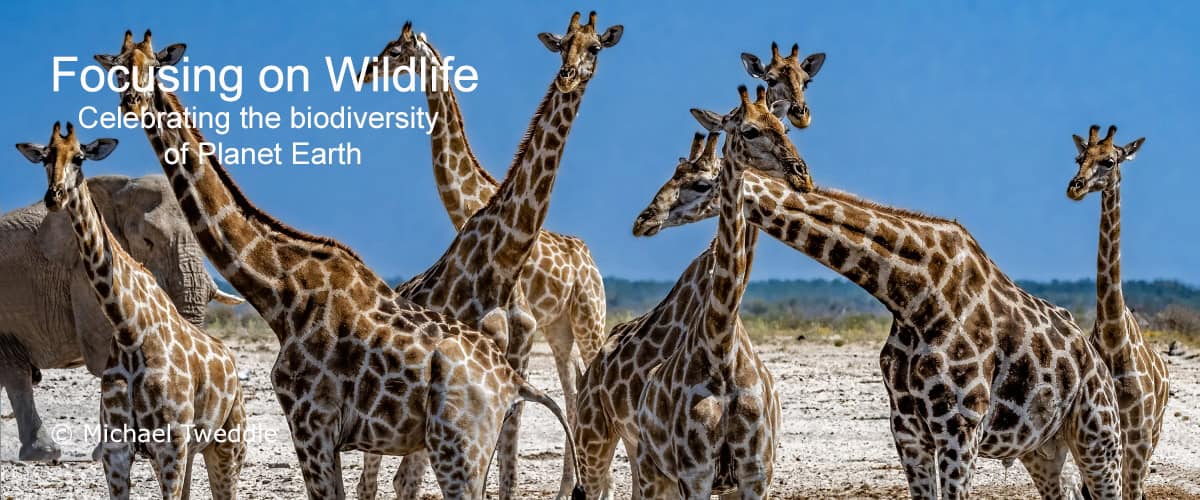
point(676, 201)
point(398, 53)
point(135, 67)
point(579, 47)
point(1099, 162)
point(63, 158)
point(755, 137)
point(787, 78)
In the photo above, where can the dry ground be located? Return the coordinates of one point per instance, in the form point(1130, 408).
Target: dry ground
point(835, 441)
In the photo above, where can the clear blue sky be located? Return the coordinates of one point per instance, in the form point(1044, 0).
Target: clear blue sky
point(959, 109)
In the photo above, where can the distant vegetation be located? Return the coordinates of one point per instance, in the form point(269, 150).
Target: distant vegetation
point(839, 311)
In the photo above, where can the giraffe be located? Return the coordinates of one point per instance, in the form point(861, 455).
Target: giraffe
point(611, 386)
point(562, 285)
point(787, 78)
point(164, 374)
point(1139, 372)
point(974, 365)
point(708, 415)
point(360, 367)
point(493, 244)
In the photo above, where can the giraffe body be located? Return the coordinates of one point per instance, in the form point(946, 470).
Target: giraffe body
point(165, 375)
point(974, 365)
point(1140, 375)
point(360, 367)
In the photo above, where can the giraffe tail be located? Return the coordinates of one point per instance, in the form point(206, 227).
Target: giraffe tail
point(532, 394)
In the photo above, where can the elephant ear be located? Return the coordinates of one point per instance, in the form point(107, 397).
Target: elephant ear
point(136, 205)
point(56, 240)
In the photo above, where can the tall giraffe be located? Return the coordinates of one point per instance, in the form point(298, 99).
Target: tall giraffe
point(787, 79)
point(1139, 372)
point(613, 383)
point(360, 367)
point(974, 365)
point(487, 257)
point(562, 285)
point(708, 415)
point(164, 374)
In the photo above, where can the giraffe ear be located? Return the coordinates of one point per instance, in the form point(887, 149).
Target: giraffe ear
point(1079, 144)
point(106, 61)
point(812, 64)
point(171, 55)
point(710, 120)
point(35, 153)
point(1132, 148)
point(753, 66)
point(99, 149)
point(552, 42)
point(612, 35)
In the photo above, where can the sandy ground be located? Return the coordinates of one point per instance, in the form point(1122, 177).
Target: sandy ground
point(835, 441)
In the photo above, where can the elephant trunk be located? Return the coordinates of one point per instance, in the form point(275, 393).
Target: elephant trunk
point(193, 287)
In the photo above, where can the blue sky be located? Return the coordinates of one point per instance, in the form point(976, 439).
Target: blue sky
point(962, 110)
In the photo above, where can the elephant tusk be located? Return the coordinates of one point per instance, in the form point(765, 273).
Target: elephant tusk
point(222, 297)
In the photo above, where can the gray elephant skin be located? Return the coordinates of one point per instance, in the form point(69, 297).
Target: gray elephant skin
point(49, 314)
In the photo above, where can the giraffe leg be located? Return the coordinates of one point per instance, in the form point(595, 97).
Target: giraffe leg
point(224, 461)
point(368, 481)
point(187, 476)
point(520, 343)
point(596, 443)
point(320, 462)
point(631, 452)
point(1045, 468)
point(117, 458)
point(170, 461)
point(411, 474)
point(956, 453)
point(1095, 440)
point(915, 455)
point(562, 339)
point(651, 482)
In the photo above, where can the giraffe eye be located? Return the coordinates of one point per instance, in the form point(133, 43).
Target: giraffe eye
point(1107, 163)
point(751, 133)
point(594, 49)
point(702, 187)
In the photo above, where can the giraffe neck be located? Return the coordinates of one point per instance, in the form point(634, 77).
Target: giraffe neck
point(244, 243)
point(103, 262)
point(518, 210)
point(1110, 300)
point(886, 251)
point(732, 256)
point(463, 184)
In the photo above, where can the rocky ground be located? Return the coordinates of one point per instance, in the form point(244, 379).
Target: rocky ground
point(835, 441)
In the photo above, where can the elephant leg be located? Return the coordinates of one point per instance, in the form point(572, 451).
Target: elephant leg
point(16, 377)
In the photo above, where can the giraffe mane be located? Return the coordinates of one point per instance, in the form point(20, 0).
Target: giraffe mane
point(887, 209)
point(252, 210)
point(527, 137)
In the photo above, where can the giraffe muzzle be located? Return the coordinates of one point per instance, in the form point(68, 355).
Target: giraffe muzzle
point(54, 198)
point(799, 115)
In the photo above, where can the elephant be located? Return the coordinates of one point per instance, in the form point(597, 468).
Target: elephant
point(49, 314)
